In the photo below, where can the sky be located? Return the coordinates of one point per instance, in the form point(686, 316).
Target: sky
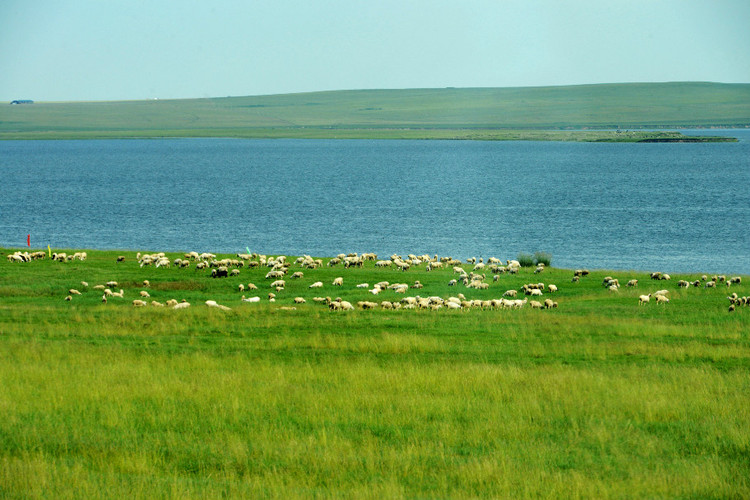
point(82, 50)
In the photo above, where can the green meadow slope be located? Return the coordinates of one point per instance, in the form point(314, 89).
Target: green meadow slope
point(473, 113)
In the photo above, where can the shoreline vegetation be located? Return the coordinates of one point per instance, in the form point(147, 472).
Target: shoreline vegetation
point(599, 397)
point(412, 134)
point(591, 113)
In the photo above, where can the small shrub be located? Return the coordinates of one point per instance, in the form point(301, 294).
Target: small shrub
point(525, 259)
point(543, 258)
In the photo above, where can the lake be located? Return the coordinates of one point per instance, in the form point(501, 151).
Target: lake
point(667, 207)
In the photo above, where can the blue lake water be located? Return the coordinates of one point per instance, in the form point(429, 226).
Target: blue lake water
point(669, 207)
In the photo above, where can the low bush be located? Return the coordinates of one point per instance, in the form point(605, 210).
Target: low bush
point(525, 259)
point(543, 258)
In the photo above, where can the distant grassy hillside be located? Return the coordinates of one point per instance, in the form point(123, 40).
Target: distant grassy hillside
point(415, 113)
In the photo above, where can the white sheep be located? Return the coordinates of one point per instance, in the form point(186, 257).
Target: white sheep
point(338, 281)
point(212, 303)
point(644, 299)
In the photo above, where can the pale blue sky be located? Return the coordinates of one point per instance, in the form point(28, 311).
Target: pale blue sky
point(53, 50)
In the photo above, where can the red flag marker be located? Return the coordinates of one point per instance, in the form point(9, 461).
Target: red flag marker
point(28, 239)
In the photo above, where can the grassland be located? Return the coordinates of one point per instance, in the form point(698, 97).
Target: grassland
point(533, 113)
point(598, 398)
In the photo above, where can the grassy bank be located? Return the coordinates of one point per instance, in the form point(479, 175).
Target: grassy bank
point(486, 113)
point(599, 397)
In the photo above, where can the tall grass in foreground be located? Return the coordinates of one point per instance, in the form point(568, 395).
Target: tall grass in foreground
point(597, 398)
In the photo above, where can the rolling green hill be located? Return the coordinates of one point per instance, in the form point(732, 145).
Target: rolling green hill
point(416, 113)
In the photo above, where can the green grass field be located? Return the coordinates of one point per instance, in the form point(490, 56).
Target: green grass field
point(597, 398)
point(530, 113)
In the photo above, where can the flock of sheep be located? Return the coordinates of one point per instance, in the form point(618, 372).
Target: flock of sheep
point(281, 266)
point(60, 257)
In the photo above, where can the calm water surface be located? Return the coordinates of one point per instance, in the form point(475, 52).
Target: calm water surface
point(670, 207)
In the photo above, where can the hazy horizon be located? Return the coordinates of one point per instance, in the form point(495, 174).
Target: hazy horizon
point(85, 50)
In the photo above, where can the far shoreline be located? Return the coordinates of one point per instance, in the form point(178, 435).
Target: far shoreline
point(578, 135)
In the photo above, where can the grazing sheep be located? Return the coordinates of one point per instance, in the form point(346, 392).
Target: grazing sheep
point(661, 299)
point(338, 281)
point(632, 283)
point(710, 284)
point(120, 294)
point(84, 284)
point(298, 274)
point(251, 286)
point(221, 272)
point(644, 299)
point(241, 287)
point(145, 294)
point(317, 284)
point(299, 300)
point(510, 293)
point(156, 304)
point(363, 285)
point(73, 291)
point(278, 284)
point(111, 284)
point(535, 304)
point(139, 303)
point(235, 272)
point(146, 283)
point(69, 298)
point(661, 292)
point(252, 300)
point(181, 305)
point(552, 288)
point(212, 303)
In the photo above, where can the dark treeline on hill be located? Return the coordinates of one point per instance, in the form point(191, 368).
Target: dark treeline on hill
point(413, 113)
